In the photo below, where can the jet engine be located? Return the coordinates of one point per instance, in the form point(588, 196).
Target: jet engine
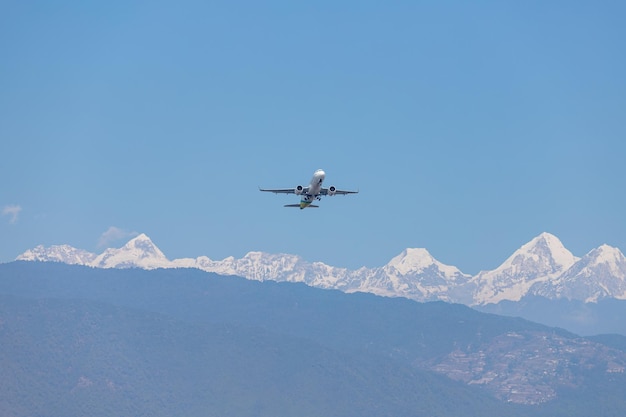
point(298, 190)
point(332, 190)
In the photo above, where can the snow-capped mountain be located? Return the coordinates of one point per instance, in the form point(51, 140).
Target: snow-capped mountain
point(543, 267)
point(58, 253)
point(542, 259)
point(139, 252)
point(260, 266)
point(599, 274)
point(414, 274)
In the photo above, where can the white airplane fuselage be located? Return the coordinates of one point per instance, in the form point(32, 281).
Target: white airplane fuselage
point(315, 187)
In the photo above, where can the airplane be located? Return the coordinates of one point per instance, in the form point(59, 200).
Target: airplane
point(314, 191)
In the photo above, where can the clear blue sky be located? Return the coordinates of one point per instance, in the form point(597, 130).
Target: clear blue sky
point(468, 127)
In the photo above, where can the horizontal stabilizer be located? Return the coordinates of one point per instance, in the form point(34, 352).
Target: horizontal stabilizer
point(298, 205)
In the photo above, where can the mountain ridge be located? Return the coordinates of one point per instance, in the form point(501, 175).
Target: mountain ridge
point(542, 267)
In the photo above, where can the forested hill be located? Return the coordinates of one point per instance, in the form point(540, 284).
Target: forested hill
point(82, 341)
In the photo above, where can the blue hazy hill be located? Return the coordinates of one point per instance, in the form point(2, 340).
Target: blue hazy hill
point(186, 342)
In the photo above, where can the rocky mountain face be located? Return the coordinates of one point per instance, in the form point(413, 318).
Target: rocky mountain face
point(542, 267)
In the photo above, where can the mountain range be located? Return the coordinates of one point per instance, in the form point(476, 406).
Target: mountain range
point(542, 267)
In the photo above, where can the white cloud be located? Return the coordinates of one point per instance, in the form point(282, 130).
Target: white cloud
point(113, 234)
point(13, 211)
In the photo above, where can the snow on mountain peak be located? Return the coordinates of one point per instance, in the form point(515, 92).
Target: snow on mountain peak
point(601, 273)
point(139, 252)
point(541, 259)
point(603, 261)
point(608, 255)
point(58, 253)
point(545, 254)
point(542, 267)
point(412, 260)
point(144, 247)
point(140, 237)
point(550, 246)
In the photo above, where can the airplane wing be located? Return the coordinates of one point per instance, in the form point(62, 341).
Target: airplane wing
point(284, 190)
point(328, 191)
